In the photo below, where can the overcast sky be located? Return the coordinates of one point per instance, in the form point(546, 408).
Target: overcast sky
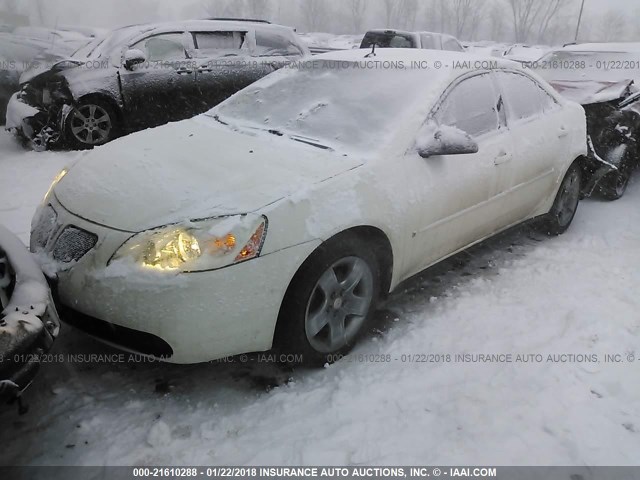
point(111, 13)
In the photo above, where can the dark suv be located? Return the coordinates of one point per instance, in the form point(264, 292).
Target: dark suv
point(143, 76)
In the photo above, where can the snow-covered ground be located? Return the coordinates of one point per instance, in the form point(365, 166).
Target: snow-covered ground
point(519, 294)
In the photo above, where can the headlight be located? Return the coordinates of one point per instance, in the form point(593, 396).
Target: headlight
point(55, 182)
point(197, 246)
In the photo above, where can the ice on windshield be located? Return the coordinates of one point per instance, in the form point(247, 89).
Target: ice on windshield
point(336, 103)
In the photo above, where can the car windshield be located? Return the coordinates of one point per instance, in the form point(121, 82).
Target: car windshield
point(104, 46)
point(335, 103)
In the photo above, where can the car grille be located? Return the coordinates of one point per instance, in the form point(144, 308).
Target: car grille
point(43, 230)
point(73, 244)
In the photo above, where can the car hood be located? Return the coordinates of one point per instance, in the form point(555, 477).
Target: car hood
point(46, 65)
point(587, 92)
point(189, 170)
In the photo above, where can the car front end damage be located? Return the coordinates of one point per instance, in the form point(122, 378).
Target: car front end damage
point(38, 112)
point(613, 148)
point(613, 126)
point(29, 322)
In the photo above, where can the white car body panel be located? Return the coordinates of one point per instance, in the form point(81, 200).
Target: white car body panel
point(428, 209)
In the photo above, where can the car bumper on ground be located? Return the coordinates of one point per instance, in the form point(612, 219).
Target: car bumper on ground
point(29, 322)
point(179, 318)
point(20, 116)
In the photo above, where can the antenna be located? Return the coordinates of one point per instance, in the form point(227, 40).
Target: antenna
point(373, 51)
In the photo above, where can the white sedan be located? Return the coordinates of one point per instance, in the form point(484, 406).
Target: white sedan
point(280, 217)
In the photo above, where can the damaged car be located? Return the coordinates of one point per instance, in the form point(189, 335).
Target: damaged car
point(19, 53)
point(144, 76)
point(604, 79)
point(29, 322)
point(287, 220)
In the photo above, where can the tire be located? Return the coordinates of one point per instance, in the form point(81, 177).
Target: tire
point(91, 124)
point(614, 185)
point(330, 302)
point(565, 206)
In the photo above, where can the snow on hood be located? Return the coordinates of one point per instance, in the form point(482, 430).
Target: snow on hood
point(587, 92)
point(193, 169)
point(48, 63)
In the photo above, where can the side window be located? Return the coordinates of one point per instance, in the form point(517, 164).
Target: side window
point(214, 43)
point(524, 97)
point(471, 106)
point(429, 42)
point(275, 43)
point(168, 46)
point(452, 45)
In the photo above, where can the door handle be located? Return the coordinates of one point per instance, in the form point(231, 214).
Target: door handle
point(184, 71)
point(205, 70)
point(503, 157)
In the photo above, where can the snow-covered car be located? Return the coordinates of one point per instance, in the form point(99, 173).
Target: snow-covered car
point(401, 39)
point(29, 322)
point(604, 78)
point(17, 53)
point(69, 39)
point(524, 53)
point(144, 76)
point(280, 216)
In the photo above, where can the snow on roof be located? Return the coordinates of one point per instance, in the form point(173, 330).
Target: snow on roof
point(458, 61)
point(603, 47)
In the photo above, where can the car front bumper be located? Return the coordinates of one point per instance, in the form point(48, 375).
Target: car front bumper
point(29, 322)
point(20, 116)
point(179, 318)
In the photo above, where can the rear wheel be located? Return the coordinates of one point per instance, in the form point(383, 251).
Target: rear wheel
point(91, 124)
point(564, 209)
point(330, 301)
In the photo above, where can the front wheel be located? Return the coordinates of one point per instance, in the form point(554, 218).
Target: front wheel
point(564, 209)
point(330, 301)
point(615, 184)
point(91, 124)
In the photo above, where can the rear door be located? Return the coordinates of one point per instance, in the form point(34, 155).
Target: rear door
point(541, 140)
point(224, 64)
point(164, 87)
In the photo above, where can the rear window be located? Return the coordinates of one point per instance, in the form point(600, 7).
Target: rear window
point(275, 43)
point(388, 40)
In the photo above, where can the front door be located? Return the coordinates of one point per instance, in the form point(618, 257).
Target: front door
point(162, 89)
point(457, 197)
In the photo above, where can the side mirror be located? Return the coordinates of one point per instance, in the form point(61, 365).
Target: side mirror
point(134, 57)
point(444, 140)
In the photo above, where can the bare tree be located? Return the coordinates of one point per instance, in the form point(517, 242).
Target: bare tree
point(612, 26)
point(391, 12)
point(223, 8)
point(260, 9)
point(497, 23)
point(406, 12)
point(357, 11)
point(531, 16)
point(314, 14)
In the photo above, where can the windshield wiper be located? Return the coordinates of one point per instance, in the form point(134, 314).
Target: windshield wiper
point(308, 141)
point(311, 142)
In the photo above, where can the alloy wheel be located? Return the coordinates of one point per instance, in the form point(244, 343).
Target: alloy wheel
point(91, 124)
point(339, 304)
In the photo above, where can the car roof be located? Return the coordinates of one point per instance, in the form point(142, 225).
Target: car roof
point(446, 58)
point(630, 47)
point(223, 24)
